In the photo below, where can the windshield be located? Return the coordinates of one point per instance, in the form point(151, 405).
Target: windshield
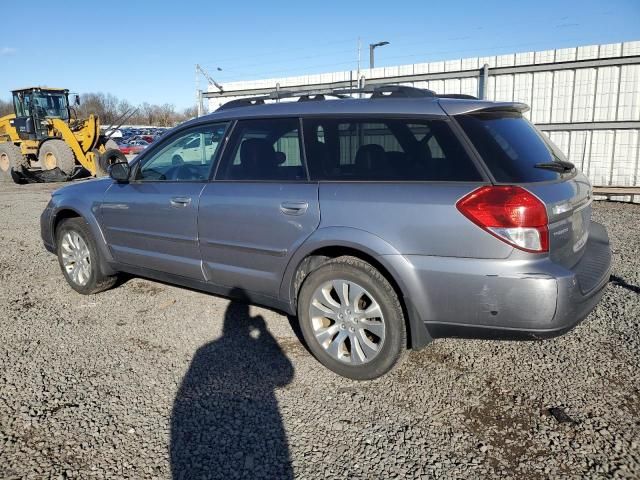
point(46, 104)
point(511, 147)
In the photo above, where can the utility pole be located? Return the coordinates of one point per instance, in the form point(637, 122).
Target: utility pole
point(358, 75)
point(359, 49)
point(198, 94)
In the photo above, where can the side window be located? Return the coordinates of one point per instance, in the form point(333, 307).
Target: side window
point(187, 156)
point(386, 150)
point(263, 150)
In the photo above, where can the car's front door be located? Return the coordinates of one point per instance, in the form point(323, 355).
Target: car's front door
point(151, 222)
point(259, 209)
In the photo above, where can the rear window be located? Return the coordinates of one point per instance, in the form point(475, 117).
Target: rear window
point(385, 150)
point(511, 147)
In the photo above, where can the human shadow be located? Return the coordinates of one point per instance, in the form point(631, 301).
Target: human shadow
point(225, 421)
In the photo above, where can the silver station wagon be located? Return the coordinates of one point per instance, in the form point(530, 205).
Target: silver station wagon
point(380, 222)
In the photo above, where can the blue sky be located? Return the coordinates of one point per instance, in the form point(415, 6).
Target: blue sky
point(146, 51)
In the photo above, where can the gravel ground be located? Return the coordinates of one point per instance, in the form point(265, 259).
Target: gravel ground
point(149, 380)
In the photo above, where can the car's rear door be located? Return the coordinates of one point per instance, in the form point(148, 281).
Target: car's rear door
point(152, 221)
point(259, 208)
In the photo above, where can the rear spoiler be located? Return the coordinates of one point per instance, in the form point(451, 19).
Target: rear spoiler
point(459, 107)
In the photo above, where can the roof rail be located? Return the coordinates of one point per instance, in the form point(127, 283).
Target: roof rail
point(249, 101)
point(376, 91)
point(241, 102)
point(395, 91)
point(309, 97)
point(400, 91)
point(461, 96)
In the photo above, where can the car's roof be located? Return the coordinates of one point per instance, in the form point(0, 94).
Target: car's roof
point(429, 106)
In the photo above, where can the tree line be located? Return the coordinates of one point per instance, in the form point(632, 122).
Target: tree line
point(110, 110)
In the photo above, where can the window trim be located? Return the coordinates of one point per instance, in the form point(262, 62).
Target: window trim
point(171, 138)
point(458, 133)
point(487, 172)
point(230, 135)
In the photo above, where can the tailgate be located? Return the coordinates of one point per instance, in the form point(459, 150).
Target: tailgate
point(569, 210)
point(515, 152)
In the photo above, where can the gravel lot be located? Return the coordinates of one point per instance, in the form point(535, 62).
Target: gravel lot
point(149, 380)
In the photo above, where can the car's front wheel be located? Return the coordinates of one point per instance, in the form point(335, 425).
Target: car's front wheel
point(351, 319)
point(78, 258)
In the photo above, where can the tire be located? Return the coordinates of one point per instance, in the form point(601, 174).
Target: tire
point(57, 154)
point(71, 234)
point(111, 156)
point(11, 162)
point(384, 344)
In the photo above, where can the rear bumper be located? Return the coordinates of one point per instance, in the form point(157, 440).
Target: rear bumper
point(506, 299)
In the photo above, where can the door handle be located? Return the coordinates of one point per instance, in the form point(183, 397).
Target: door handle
point(180, 201)
point(294, 208)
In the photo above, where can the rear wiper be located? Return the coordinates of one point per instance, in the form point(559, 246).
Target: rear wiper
point(558, 166)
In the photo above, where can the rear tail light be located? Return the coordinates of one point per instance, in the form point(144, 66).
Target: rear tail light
point(509, 213)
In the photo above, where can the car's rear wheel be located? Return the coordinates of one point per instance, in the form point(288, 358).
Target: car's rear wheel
point(351, 319)
point(78, 258)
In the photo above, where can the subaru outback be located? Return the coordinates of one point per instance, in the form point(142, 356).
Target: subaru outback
point(380, 222)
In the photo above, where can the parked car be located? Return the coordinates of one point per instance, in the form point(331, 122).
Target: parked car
point(133, 147)
point(381, 223)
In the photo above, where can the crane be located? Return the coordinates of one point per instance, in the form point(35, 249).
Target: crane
point(210, 80)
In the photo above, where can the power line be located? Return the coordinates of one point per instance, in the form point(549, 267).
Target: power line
point(468, 52)
point(253, 70)
point(261, 75)
point(300, 70)
point(234, 67)
point(271, 52)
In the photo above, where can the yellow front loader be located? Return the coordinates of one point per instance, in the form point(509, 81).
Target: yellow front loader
point(44, 140)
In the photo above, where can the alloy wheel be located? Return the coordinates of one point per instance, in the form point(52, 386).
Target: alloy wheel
point(76, 258)
point(347, 321)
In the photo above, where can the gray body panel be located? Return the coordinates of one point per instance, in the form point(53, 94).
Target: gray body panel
point(569, 211)
point(83, 199)
point(144, 226)
point(455, 278)
point(416, 218)
point(249, 231)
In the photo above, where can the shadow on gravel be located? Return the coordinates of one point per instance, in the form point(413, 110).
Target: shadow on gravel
point(225, 421)
point(623, 283)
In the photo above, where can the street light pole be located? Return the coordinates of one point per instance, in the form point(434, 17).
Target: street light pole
point(372, 47)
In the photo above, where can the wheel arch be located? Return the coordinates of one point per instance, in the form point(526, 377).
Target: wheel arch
point(61, 215)
point(67, 212)
point(371, 249)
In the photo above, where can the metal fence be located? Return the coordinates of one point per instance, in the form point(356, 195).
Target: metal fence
point(587, 99)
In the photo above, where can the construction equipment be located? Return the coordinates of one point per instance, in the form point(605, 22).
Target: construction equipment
point(45, 141)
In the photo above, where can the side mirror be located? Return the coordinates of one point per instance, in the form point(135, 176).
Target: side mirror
point(77, 100)
point(120, 172)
